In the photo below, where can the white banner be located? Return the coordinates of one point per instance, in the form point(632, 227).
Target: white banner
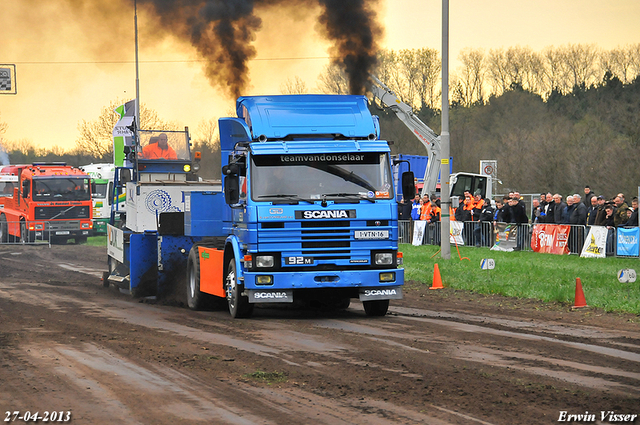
point(455, 234)
point(596, 243)
point(418, 232)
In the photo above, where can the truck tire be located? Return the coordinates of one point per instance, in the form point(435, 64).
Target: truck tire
point(376, 307)
point(196, 300)
point(105, 279)
point(239, 305)
point(4, 236)
point(25, 235)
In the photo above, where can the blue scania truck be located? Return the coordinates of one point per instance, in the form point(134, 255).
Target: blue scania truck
point(306, 212)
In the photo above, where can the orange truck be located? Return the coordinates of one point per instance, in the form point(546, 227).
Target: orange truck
point(44, 202)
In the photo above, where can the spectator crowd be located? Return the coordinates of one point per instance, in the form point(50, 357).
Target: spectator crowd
point(576, 209)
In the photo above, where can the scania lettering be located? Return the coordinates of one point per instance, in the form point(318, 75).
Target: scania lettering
point(325, 214)
point(306, 212)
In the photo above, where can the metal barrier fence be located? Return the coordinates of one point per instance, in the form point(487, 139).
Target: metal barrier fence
point(481, 234)
point(25, 236)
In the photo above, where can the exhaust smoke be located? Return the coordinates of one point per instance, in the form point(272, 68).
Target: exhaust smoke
point(222, 32)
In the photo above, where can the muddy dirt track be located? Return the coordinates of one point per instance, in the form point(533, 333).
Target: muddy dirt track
point(439, 357)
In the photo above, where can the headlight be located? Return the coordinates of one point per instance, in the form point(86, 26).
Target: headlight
point(384, 259)
point(264, 261)
point(186, 168)
point(387, 277)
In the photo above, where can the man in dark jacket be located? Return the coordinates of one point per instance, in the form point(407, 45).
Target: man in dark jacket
point(518, 214)
point(588, 194)
point(558, 208)
point(546, 215)
point(483, 230)
point(592, 211)
point(577, 219)
point(579, 214)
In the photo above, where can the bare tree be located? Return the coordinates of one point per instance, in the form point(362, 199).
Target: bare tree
point(96, 137)
point(580, 60)
point(470, 78)
point(207, 133)
point(333, 80)
point(556, 71)
point(293, 85)
point(391, 73)
point(634, 57)
point(427, 71)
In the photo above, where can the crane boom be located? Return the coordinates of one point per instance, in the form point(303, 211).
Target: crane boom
point(427, 136)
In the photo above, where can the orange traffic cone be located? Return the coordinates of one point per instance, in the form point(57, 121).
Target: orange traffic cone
point(437, 280)
point(579, 302)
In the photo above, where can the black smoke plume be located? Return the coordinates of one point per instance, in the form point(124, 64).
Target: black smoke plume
point(222, 31)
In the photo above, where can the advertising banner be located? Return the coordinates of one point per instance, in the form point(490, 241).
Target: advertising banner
point(628, 241)
point(506, 237)
point(455, 232)
point(550, 238)
point(418, 232)
point(122, 135)
point(596, 244)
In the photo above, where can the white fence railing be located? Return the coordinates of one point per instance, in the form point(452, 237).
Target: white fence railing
point(481, 234)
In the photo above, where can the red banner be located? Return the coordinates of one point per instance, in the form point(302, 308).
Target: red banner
point(550, 238)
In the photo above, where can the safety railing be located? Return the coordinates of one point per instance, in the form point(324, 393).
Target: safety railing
point(18, 233)
point(482, 234)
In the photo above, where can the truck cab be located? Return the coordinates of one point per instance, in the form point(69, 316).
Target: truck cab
point(310, 208)
point(49, 201)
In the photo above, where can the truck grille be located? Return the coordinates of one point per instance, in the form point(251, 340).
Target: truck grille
point(328, 242)
point(62, 213)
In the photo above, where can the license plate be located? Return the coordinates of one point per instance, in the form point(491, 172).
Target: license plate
point(63, 232)
point(372, 234)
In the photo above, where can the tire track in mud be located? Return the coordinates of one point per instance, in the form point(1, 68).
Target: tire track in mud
point(414, 365)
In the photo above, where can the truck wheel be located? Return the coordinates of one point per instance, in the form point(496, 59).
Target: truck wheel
point(25, 237)
point(239, 305)
point(195, 299)
point(4, 236)
point(376, 307)
point(105, 279)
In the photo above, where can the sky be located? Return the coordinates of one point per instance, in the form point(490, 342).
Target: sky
point(68, 67)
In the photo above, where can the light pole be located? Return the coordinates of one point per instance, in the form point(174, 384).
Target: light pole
point(445, 228)
point(135, 22)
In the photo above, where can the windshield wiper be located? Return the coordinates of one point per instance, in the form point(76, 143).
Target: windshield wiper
point(349, 195)
point(283, 195)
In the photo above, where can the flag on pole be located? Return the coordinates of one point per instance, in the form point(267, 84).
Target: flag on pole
point(122, 135)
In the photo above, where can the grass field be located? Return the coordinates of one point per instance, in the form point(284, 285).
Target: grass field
point(545, 277)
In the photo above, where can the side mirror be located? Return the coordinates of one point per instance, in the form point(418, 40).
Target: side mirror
point(230, 170)
point(25, 188)
point(232, 189)
point(408, 186)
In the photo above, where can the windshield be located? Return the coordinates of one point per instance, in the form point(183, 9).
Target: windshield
point(61, 189)
point(173, 145)
point(310, 177)
point(100, 190)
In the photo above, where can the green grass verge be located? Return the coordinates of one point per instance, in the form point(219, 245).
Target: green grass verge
point(97, 240)
point(545, 277)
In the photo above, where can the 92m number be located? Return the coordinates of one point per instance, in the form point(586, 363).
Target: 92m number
point(298, 261)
